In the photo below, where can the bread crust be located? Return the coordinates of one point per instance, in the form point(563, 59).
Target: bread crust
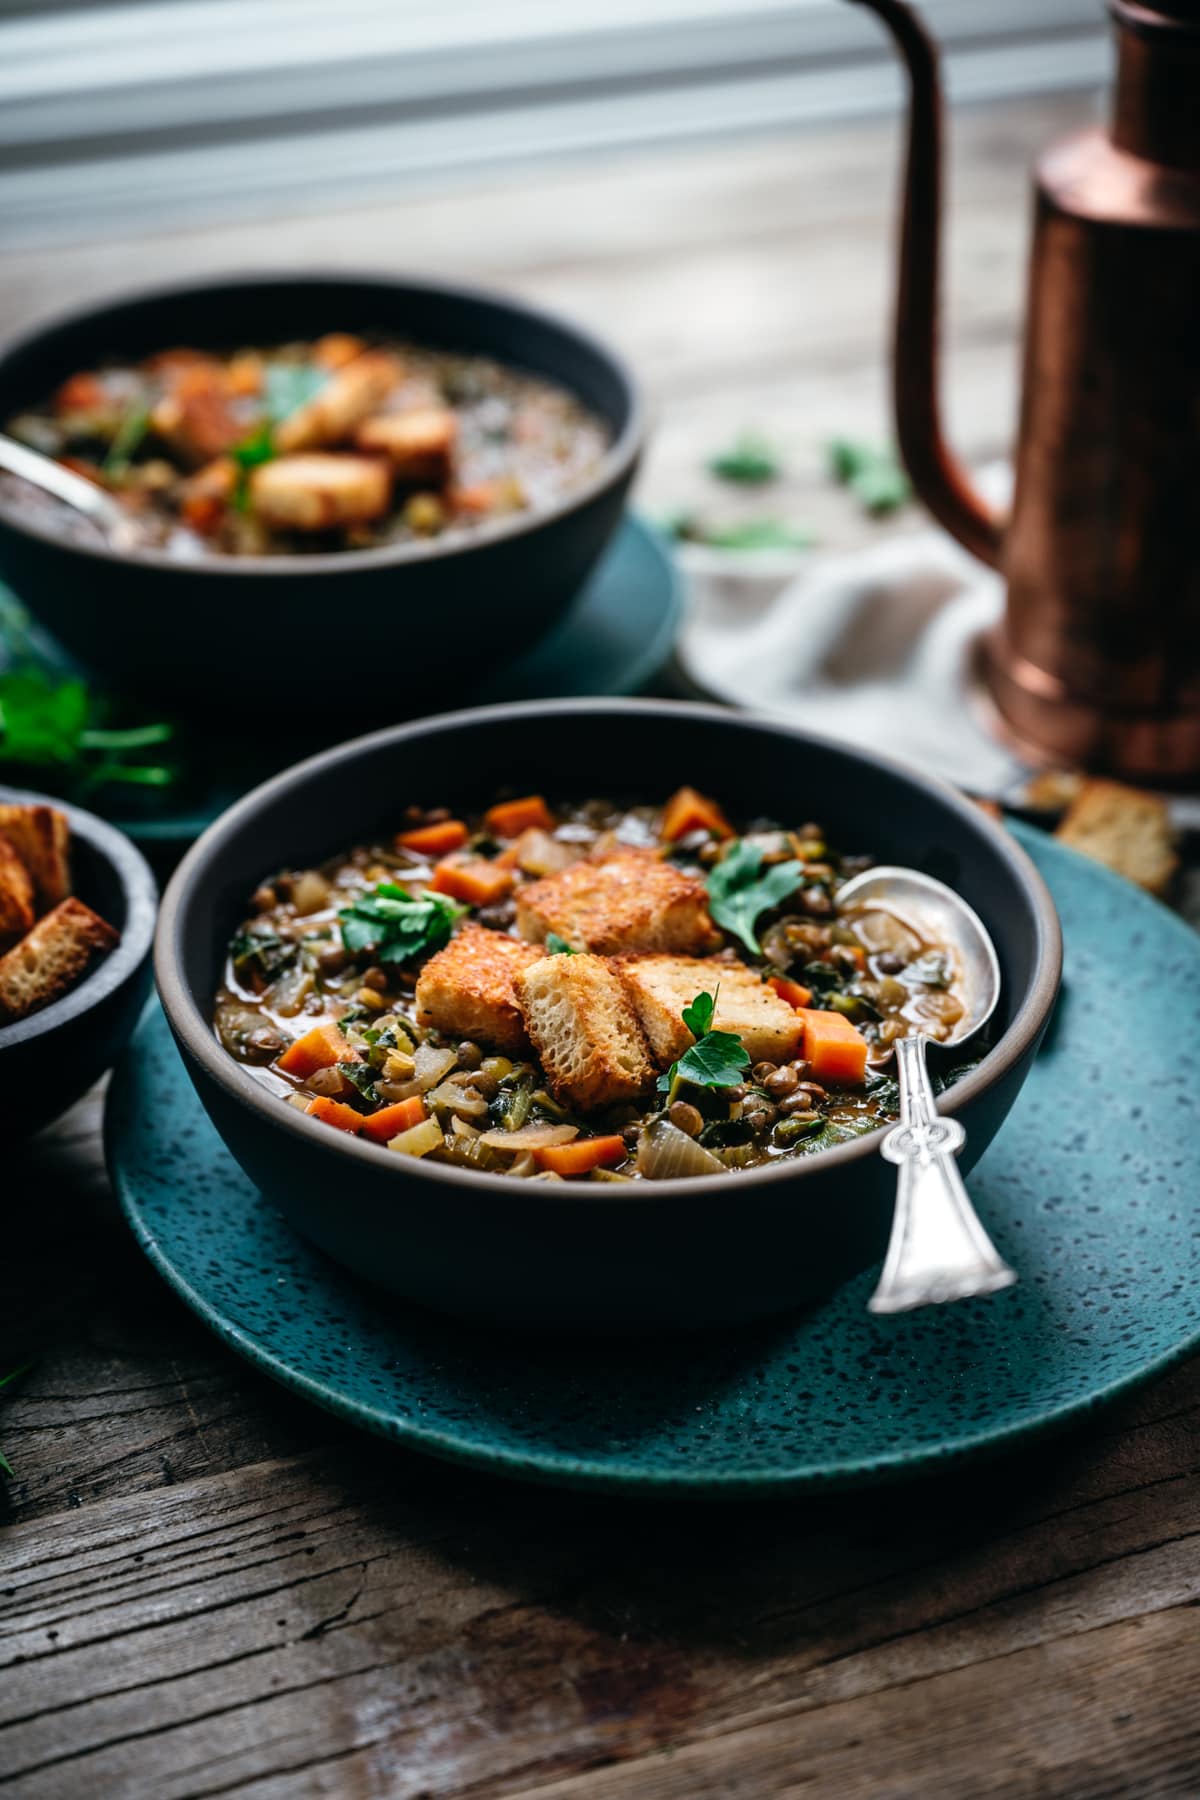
point(582, 1025)
point(1126, 829)
point(16, 895)
point(661, 986)
point(634, 901)
point(467, 989)
point(41, 837)
point(52, 958)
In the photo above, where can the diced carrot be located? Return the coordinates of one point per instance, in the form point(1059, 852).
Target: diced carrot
point(579, 1157)
point(332, 1112)
point(834, 1047)
point(689, 811)
point(434, 840)
point(479, 883)
point(319, 1048)
point(336, 349)
point(511, 817)
point(80, 393)
point(478, 500)
point(390, 1121)
point(791, 991)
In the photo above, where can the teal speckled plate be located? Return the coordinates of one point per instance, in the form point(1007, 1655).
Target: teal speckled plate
point(1092, 1191)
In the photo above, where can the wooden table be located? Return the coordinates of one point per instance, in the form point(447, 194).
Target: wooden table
point(207, 1588)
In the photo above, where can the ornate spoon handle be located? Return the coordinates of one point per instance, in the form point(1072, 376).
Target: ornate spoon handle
point(938, 1250)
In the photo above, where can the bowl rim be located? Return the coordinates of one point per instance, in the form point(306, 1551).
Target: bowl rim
point(618, 461)
point(193, 1029)
point(137, 935)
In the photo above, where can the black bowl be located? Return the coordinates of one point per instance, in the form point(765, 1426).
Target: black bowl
point(49, 1059)
point(345, 625)
point(595, 1255)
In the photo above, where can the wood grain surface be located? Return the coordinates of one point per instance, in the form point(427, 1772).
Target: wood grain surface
point(207, 1588)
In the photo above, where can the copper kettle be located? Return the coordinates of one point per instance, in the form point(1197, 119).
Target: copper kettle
point(1097, 660)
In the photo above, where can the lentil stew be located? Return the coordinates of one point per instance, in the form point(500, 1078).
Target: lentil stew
point(584, 991)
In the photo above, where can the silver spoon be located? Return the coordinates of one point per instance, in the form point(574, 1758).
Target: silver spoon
point(938, 1250)
point(111, 519)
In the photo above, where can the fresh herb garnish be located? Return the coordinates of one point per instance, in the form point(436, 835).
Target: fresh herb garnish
point(738, 894)
point(873, 475)
point(135, 423)
point(258, 448)
point(750, 461)
point(717, 1059)
point(289, 386)
point(261, 950)
point(743, 534)
point(393, 927)
point(54, 721)
point(931, 970)
point(360, 1075)
point(558, 946)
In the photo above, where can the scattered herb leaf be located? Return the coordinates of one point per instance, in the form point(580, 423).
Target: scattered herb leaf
point(393, 927)
point(750, 461)
point(53, 721)
point(258, 448)
point(744, 534)
point(128, 436)
point(558, 946)
point(262, 951)
point(738, 893)
point(873, 475)
point(361, 1076)
point(717, 1059)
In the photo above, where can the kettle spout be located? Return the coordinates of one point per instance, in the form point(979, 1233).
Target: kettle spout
point(937, 475)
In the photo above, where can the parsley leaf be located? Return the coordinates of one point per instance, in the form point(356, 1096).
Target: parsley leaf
point(873, 475)
point(558, 946)
point(738, 894)
point(717, 1059)
point(750, 461)
point(135, 423)
point(289, 386)
point(262, 950)
point(258, 448)
point(393, 927)
point(46, 721)
point(360, 1075)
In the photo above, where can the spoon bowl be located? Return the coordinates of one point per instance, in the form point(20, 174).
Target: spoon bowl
point(114, 524)
point(938, 1249)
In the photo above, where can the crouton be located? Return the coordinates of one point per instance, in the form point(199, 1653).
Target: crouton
point(419, 445)
point(40, 836)
point(314, 493)
point(204, 496)
point(52, 957)
point(661, 986)
point(198, 416)
point(357, 389)
point(581, 1022)
point(633, 901)
point(467, 989)
point(16, 896)
point(1125, 829)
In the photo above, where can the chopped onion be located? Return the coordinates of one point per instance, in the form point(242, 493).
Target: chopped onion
point(530, 1137)
point(457, 1100)
point(419, 1140)
point(429, 1067)
point(665, 1152)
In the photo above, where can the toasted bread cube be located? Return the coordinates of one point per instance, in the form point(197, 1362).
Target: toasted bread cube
point(1124, 828)
point(315, 493)
point(198, 416)
point(632, 901)
point(52, 957)
point(582, 1024)
point(747, 1006)
point(357, 389)
point(16, 895)
point(467, 990)
point(41, 838)
point(419, 445)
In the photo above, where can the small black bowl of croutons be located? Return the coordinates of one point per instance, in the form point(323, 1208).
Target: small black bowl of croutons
point(329, 485)
point(77, 909)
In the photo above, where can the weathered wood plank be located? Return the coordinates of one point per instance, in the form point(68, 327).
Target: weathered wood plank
point(179, 1643)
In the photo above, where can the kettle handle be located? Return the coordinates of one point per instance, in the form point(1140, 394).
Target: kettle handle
point(936, 472)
